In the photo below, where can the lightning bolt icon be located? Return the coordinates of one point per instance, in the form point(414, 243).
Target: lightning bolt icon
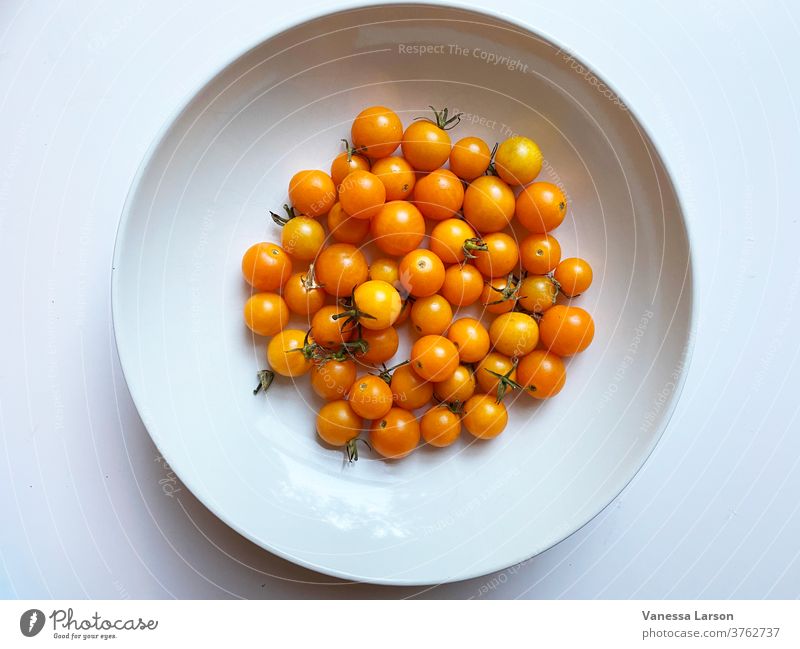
point(32, 621)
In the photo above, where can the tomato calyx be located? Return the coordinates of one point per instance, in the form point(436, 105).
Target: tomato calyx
point(491, 170)
point(386, 372)
point(265, 379)
point(351, 448)
point(455, 406)
point(506, 383)
point(349, 349)
point(283, 220)
point(557, 286)
point(309, 280)
point(319, 355)
point(351, 150)
point(442, 119)
point(509, 292)
point(473, 245)
point(352, 313)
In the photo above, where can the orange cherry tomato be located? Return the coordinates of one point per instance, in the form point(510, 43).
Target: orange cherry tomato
point(458, 388)
point(386, 270)
point(452, 238)
point(440, 426)
point(266, 313)
point(284, 353)
point(421, 273)
point(362, 194)
point(398, 177)
point(497, 363)
point(332, 379)
point(540, 253)
point(470, 158)
point(344, 228)
point(431, 315)
point(574, 276)
point(470, 338)
point(488, 204)
point(542, 374)
point(329, 331)
point(382, 344)
point(378, 304)
point(346, 162)
point(518, 160)
point(312, 192)
point(434, 358)
point(541, 207)
point(398, 228)
point(395, 435)
point(266, 266)
point(409, 390)
point(338, 424)
point(425, 145)
point(499, 295)
point(376, 132)
point(514, 334)
point(303, 237)
point(537, 293)
point(302, 295)
point(500, 257)
point(370, 397)
point(463, 285)
point(340, 268)
point(439, 195)
point(566, 330)
point(483, 417)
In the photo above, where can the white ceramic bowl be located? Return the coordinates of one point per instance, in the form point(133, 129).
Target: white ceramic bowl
point(201, 198)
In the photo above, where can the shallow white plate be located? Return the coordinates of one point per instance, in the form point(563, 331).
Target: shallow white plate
point(201, 198)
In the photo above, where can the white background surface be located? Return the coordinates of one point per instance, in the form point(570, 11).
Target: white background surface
point(85, 87)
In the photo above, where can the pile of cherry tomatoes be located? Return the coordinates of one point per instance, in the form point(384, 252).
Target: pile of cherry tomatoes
point(488, 228)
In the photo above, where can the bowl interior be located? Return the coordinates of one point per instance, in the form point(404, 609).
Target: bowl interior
point(202, 198)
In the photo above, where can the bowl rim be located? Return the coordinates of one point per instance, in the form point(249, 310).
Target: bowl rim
point(315, 13)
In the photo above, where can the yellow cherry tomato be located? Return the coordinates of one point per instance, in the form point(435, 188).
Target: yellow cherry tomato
point(484, 417)
point(377, 304)
point(470, 338)
point(409, 390)
point(434, 358)
point(382, 344)
point(574, 276)
point(518, 160)
point(440, 426)
point(285, 355)
point(266, 266)
point(459, 387)
point(537, 293)
point(370, 397)
point(303, 237)
point(397, 175)
point(395, 435)
point(266, 313)
point(312, 192)
point(426, 144)
point(376, 132)
point(470, 158)
point(514, 334)
point(385, 270)
point(431, 315)
point(489, 204)
point(338, 424)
